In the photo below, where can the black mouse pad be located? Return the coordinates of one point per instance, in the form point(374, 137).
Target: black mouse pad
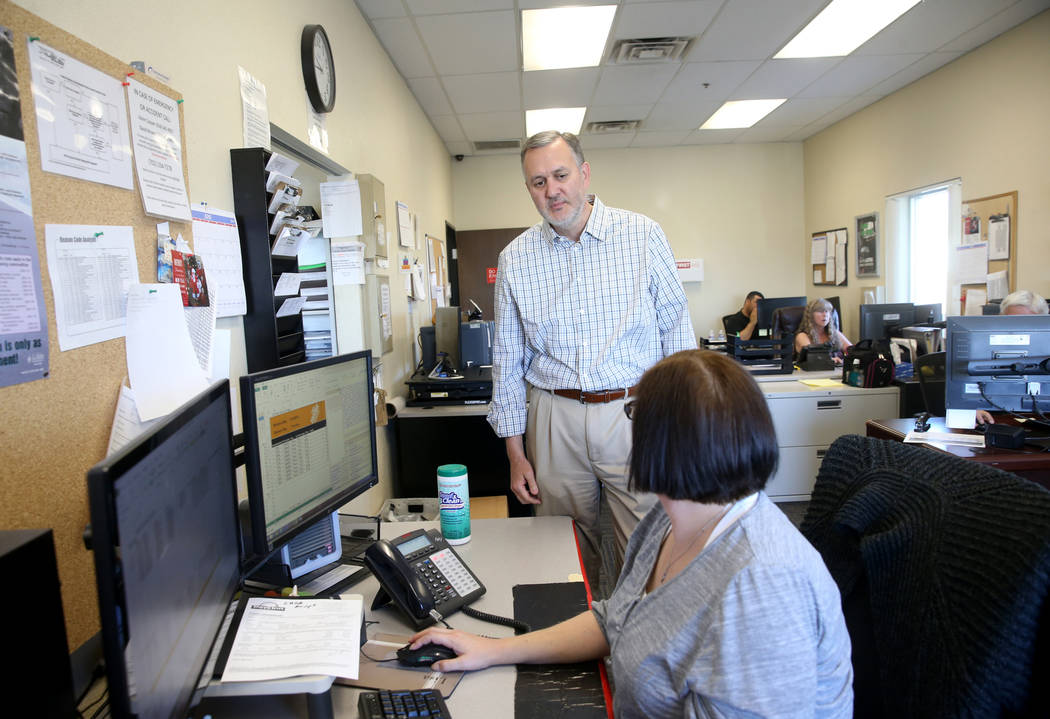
point(563, 691)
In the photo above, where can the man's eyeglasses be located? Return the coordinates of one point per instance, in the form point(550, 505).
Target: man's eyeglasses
point(628, 408)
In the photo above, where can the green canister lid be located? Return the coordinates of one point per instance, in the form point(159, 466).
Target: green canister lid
point(452, 470)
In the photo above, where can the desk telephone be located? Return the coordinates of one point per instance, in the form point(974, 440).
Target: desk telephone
point(423, 575)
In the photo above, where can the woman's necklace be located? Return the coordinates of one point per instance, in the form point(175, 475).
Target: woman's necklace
point(699, 532)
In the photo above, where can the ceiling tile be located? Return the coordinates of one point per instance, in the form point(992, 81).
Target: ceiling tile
point(798, 112)
point(558, 88)
point(448, 128)
point(913, 72)
point(604, 142)
point(846, 109)
point(468, 43)
point(665, 19)
point(431, 96)
point(492, 92)
point(536, 4)
point(855, 75)
point(997, 25)
point(494, 125)
point(632, 85)
point(711, 137)
point(403, 46)
point(685, 116)
point(931, 24)
point(765, 134)
point(783, 78)
point(658, 139)
point(459, 148)
point(723, 78)
point(608, 113)
point(753, 29)
point(441, 7)
point(375, 9)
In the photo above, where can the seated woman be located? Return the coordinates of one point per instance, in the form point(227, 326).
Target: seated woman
point(820, 325)
point(723, 608)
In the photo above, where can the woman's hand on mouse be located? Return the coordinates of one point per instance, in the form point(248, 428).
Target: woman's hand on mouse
point(474, 652)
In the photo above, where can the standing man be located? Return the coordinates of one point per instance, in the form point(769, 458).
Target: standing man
point(743, 322)
point(586, 301)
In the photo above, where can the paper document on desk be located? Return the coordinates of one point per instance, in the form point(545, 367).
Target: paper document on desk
point(965, 440)
point(286, 637)
point(821, 382)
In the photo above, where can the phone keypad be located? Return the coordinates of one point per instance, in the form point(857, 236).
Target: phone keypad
point(446, 576)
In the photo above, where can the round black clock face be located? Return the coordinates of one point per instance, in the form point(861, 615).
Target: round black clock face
point(318, 68)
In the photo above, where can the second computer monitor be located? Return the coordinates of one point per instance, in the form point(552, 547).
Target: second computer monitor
point(878, 322)
point(768, 305)
point(928, 314)
point(310, 443)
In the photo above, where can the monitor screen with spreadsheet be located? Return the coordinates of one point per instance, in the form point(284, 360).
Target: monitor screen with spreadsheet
point(310, 443)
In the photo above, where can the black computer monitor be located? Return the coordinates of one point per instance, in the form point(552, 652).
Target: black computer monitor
point(998, 363)
point(167, 555)
point(310, 444)
point(768, 305)
point(880, 322)
point(928, 314)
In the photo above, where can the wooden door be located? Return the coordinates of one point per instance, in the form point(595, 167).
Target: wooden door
point(478, 252)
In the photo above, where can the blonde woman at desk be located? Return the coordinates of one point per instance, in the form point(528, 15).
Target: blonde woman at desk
point(820, 325)
point(722, 608)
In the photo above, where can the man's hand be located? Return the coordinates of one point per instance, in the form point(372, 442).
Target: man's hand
point(522, 476)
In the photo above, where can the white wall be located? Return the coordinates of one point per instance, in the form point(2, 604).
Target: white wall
point(377, 126)
point(739, 207)
point(982, 118)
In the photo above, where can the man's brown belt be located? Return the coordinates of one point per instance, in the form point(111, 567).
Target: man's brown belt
point(606, 395)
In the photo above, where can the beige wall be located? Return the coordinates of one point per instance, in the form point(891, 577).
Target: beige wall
point(377, 126)
point(983, 118)
point(739, 207)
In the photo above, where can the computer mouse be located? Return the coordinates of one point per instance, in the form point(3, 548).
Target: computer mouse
point(424, 655)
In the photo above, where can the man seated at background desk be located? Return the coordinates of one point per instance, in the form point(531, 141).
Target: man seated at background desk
point(1021, 302)
point(723, 607)
point(742, 324)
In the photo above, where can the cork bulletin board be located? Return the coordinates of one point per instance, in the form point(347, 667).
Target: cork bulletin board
point(989, 211)
point(57, 427)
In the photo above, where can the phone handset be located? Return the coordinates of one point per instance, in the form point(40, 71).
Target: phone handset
point(398, 582)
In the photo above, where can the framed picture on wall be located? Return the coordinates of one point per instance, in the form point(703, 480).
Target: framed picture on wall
point(868, 245)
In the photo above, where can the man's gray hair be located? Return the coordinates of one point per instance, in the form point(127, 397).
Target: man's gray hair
point(549, 137)
point(1036, 304)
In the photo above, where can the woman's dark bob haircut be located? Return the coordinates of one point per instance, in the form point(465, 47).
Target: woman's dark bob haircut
point(702, 430)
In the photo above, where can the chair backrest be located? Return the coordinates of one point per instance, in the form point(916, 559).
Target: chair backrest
point(786, 321)
point(944, 565)
point(725, 322)
point(930, 369)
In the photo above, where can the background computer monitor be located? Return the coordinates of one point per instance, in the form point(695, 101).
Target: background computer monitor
point(925, 314)
point(995, 363)
point(879, 321)
point(167, 555)
point(768, 305)
point(310, 444)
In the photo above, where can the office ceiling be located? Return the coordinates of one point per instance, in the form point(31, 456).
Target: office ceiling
point(462, 59)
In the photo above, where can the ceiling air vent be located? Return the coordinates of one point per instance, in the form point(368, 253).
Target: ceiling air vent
point(497, 145)
point(650, 49)
point(612, 126)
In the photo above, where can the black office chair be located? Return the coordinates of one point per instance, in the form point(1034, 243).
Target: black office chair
point(725, 323)
point(930, 370)
point(786, 321)
point(944, 569)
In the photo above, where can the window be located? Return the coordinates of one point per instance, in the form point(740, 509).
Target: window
point(920, 225)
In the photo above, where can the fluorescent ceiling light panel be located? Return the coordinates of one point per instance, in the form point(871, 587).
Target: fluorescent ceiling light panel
point(557, 38)
point(741, 113)
point(843, 26)
point(563, 119)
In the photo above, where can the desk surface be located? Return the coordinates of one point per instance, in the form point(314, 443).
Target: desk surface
point(1028, 462)
point(503, 553)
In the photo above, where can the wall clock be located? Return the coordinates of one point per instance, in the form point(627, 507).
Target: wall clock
point(318, 68)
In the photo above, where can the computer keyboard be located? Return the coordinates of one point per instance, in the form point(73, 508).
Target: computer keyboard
point(402, 704)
